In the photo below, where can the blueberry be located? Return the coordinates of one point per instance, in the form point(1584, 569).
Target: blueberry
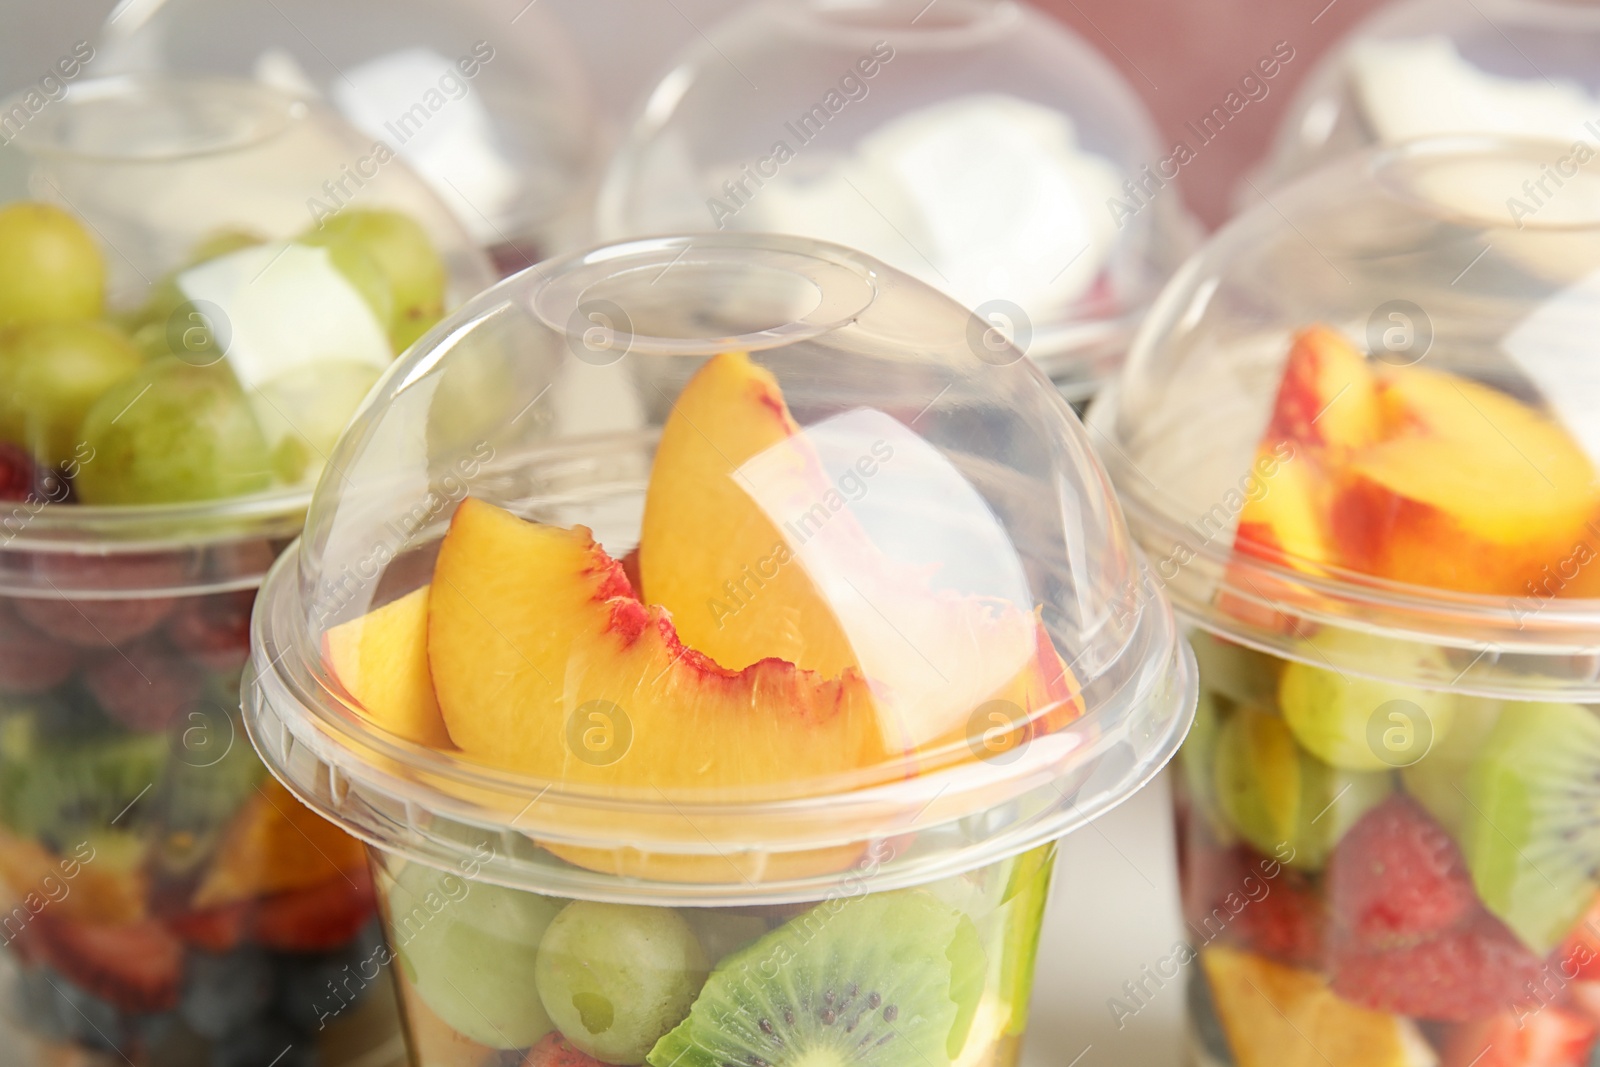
point(1203, 1022)
point(264, 1043)
point(316, 989)
point(55, 1006)
point(224, 993)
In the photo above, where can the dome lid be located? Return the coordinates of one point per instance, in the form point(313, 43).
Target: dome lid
point(977, 145)
point(1425, 68)
point(1371, 405)
point(491, 110)
point(734, 546)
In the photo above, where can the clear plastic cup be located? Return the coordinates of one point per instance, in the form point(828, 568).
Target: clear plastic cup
point(1428, 68)
point(872, 673)
point(486, 104)
point(162, 899)
point(977, 145)
point(1357, 443)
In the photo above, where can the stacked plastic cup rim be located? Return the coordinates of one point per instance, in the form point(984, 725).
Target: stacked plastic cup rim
point(1357, 443)
point(518, 648)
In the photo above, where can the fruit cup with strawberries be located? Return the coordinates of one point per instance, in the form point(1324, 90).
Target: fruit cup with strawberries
point(180, 343)
point(727, 724)
point(1360, 445)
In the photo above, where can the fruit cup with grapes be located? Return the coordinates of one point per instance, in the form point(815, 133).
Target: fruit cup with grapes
point(726, 723)
point(1368, 476)
point(178, 351)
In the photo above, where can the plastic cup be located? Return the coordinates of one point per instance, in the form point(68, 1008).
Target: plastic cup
point(1359, 458)
point(162, 899)
point(648, 873)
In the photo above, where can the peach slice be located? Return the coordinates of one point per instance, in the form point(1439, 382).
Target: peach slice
point(1328, 397)
point(710, 556)
point(732, 464)
point(1471, 489)
point(381, 660)
point(276, 844)
point(544, 661)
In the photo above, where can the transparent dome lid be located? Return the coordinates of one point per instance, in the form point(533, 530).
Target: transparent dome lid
point(486, 103)
point(1371, 406)
point(183, 331)
point(977, 145)
point(726, 546)
point(1510, 68)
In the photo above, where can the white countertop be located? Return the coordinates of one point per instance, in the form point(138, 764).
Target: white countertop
point(1113, 909)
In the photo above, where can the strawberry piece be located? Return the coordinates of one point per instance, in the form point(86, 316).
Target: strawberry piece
point(1288, 923)
point(138, 967)
point(1236, 895)
point(1579, 955)
point(553, 1050)
point(29, 661)
point(19, 474)
point(1398, 875)
point(216, 930)
point(318, 919)
point(1541, 1037)
point(1455, 976)
point(145, 686)
point(214, 629)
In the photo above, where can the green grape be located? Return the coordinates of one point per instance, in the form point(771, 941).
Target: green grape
point(173, 432)
point(50, 267)
point(615, 977)
point(222, 243)
point(303, 412)
point(468, 949)
point(51, 373)
point(400, 247)
point(368, 279)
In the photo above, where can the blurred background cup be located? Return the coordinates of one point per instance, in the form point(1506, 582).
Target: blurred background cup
point(977, 145)
point(1421, 68)
point(486, 102)
point(186, 324)
point(572, 827)
point(1357, 442)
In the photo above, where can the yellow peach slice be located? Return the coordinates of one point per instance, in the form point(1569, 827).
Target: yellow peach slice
point(709, 555)
point(273, 845)
point(381, 660)
point(1472, 490)
point(732, 464)
point(1277, 1016)
point(544, 661)
point(1327, 397)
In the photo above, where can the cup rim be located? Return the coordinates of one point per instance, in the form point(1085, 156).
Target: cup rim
point(408, 798)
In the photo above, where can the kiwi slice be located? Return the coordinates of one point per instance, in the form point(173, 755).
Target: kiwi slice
point(1357, 723)
point(889, 978)
point(1531, 828)
point(1282, 800)
point(1027, 890)
point(61, 791)
point(1439, 780)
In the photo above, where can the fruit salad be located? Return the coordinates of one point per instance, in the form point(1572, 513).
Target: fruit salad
point(1377, 872)
point(165, 900)
point(533, 650)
